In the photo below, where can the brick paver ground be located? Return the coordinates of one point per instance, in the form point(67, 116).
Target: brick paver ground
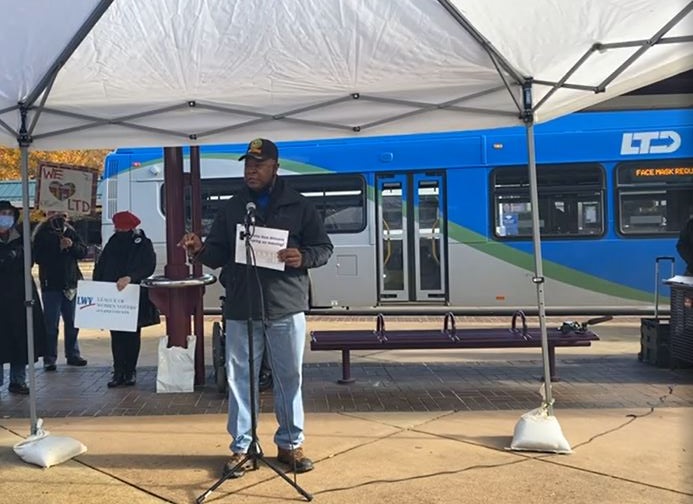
point(601, 382)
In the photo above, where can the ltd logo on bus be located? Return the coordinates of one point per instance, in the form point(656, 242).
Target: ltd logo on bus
point(650, 142)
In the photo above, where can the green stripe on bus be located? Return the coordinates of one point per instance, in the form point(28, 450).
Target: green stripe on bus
point(552, 270)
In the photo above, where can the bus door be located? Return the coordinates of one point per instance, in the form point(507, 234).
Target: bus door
point(412, 227)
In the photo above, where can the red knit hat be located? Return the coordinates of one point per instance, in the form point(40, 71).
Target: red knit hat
point(125, 220)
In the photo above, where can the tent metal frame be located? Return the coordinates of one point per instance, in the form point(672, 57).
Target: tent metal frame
point(512, 79)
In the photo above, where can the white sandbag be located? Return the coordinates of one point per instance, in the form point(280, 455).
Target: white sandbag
point(176, 370)
point(46, 450)
point(536, 430)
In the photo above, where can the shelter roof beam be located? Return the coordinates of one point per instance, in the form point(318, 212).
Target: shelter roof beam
point(561, 82)
point(7, 127)
point(646, 46)
point(443, 105)
point(94, 122)
point(578, 87)
point(251, 113)
point(39, 109)
point(637, 43)
point(506, 84)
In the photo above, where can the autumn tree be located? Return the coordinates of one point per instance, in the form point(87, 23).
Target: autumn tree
point(10, 158)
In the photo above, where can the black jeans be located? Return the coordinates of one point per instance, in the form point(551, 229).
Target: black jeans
point(126, 350)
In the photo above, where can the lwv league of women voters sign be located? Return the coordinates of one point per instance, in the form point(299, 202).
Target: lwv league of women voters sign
point(66, 188)
point(100, 305)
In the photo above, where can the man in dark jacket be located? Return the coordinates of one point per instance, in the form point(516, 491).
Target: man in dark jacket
point(279, 323)
point(685, 246)
point(57, 247)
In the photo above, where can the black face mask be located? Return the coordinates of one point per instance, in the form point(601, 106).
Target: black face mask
point(58, 224)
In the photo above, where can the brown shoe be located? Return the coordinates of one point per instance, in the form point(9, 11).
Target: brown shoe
point(231, 466)
point(295, 459)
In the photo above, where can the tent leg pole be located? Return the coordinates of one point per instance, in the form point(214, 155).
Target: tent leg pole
point(28, 283)
point(536, 237)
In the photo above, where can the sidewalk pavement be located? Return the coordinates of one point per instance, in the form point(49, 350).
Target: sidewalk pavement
point(640, 453)
point(404, 458)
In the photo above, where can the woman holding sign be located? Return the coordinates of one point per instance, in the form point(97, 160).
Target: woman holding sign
point(127, 258)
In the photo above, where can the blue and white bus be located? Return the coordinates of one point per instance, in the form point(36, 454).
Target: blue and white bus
point(443, 219)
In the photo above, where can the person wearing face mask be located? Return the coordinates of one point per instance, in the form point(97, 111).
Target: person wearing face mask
point(57, 249)
point(13, 337)
point(128, 258)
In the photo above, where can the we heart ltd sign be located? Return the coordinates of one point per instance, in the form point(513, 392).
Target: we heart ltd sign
point(62, 191)
point(66, 188)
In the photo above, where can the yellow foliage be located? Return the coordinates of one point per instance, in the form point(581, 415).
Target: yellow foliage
point(11, 170)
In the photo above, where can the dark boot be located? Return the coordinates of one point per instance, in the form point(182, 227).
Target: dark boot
point(18, 388)
point(129, 379)
point(76, 361)
point(117, 380)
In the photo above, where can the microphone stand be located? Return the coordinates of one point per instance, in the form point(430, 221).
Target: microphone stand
point(254, 453)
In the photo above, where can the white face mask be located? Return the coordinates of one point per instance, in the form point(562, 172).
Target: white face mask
point(6, 221)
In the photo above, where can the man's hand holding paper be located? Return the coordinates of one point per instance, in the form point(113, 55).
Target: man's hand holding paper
point(267, 244)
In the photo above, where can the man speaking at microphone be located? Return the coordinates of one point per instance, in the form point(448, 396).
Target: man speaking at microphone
point(267, 201)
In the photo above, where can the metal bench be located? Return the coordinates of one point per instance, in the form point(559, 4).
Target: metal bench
point(570, 334)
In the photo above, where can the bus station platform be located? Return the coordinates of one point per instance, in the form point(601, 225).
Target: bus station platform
point(415, 427)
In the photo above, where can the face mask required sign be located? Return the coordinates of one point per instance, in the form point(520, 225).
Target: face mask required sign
point(100, 305)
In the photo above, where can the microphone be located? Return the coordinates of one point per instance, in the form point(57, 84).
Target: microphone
point(250, 213)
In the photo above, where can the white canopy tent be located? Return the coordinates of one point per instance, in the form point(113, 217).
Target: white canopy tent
point(102, 73)
point(125, 72)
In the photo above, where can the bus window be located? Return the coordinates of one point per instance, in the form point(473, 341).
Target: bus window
point(571, 201)
point(654, 197)
point(340, 199)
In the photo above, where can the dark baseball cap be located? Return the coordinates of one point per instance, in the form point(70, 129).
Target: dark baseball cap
point(261, 149)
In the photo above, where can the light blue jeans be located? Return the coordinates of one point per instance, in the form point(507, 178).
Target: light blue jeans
point(285, 341)
point(17, 373)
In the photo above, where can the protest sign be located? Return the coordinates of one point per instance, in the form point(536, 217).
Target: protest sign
point(100, 305)
point(66, 189)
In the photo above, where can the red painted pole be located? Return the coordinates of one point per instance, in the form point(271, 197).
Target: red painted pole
point(179, 303)
point(180, 307)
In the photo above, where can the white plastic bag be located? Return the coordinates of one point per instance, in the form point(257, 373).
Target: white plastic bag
point(536, 430)
point(176, 371)
point(45, 450)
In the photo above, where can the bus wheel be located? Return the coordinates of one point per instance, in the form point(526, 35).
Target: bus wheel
point(219, 357)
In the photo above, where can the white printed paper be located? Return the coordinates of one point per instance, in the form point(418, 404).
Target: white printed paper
point(266, 243)
point(100, 305)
